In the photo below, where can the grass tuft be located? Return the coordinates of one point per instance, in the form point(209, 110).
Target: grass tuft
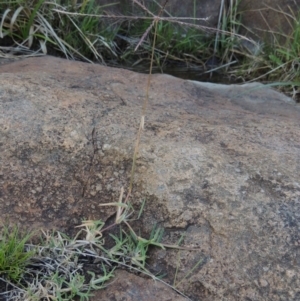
point(58, 267)
point(13, 254)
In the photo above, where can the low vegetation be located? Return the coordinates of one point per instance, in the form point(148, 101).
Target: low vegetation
point(54, 266)
point(87, 31)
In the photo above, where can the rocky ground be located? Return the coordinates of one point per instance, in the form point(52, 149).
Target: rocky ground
point(220, 164)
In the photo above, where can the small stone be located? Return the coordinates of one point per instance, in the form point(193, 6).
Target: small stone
point(106, 147)
point(290, 273)
point(39, 189)
point(263, 282)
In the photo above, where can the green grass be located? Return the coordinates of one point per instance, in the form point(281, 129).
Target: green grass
point(58, 267)
point(42, 27)
point(86, 32)
point(55, 266)
point(276, 65)
point(13, 254)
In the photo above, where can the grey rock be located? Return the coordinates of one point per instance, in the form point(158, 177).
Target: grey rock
point(220, 165)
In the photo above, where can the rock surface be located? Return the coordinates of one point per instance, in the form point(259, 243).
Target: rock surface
point(207, 10)
point(259, 18)
point(218, 164)
point(130, 287)
point(266, 17)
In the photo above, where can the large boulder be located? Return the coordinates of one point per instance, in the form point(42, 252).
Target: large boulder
point(219, 164)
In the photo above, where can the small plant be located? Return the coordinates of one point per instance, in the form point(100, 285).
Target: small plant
point(13, 254)
point(32, 28)
point(57, 267)
point(276, 64)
